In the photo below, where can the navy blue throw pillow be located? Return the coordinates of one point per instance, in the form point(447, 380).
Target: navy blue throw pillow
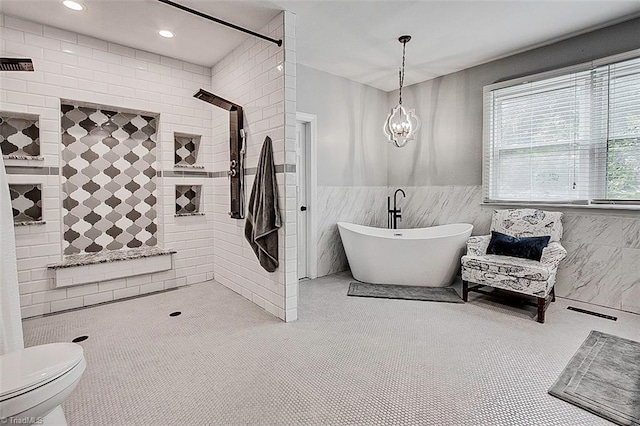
point(524, 247)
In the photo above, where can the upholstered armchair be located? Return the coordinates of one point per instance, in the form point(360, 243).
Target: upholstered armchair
point(525, 276)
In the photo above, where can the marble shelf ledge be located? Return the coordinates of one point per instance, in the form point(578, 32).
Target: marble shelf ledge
point(29, 223)
point(188, 166)
point(91, 268)
point(189, 214)
point(21, 161)
point(23, 157)
point(109, 256)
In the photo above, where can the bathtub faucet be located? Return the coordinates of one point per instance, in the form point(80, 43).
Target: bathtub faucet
point(394, 214)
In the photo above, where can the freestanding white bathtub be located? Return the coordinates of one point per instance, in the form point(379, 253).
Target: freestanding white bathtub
point(428, 257)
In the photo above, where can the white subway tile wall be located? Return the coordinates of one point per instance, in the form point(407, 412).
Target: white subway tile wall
point(260, 76)
point(80, 68)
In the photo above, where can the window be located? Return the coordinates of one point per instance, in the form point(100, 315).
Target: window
point(565, 137)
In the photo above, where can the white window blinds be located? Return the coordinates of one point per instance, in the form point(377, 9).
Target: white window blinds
point(622, 150)
point(571, 138)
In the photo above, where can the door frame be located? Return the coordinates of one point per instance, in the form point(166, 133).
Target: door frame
point(312, 195)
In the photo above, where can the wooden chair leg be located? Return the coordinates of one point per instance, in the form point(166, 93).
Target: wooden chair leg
point(465, 290)
point(542, 302)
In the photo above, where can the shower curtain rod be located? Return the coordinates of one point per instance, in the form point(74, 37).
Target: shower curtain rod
point(220, 21)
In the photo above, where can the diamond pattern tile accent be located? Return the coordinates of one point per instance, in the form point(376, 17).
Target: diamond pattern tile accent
point(186, 149)
point(187, 199)
point(19, 134)
point(26, 202)
point(109, 189)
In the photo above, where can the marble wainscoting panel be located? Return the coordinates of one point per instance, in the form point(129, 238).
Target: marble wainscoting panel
point(599, 267)
point(591, 273)
point(631, 232)
point(439, 205)
point(592, 229)
point(364, 205)
point(630, 281)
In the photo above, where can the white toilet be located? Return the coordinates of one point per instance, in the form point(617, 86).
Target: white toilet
point(36, 380)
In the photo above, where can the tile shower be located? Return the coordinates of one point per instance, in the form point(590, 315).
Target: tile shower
point(127, 162)
point(91, 165)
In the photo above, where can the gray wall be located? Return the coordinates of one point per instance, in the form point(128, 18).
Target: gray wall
point(352, 157)
point(449, 148)
point(351, 146)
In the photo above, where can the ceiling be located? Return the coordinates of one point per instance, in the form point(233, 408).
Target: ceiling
point(135, 23)
point(353, 39)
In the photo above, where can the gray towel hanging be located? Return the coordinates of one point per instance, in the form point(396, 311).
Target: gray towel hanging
point(263, 213)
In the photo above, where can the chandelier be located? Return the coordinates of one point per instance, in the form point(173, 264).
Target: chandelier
point(401, 124)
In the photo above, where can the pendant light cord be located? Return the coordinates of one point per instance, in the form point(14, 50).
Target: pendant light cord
point(401, 71)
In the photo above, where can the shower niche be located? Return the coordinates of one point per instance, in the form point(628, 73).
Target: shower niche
point(186, 149)
point(26, 204)
point(188, 200)
point(19, 136)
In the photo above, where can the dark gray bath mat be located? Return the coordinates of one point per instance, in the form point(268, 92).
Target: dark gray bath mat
point(406, 292)
point(604, 377)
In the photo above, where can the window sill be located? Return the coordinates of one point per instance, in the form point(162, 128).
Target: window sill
point(622, 208)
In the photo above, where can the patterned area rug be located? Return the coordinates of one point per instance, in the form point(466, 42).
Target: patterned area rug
point(406, 292)
point(604, 377)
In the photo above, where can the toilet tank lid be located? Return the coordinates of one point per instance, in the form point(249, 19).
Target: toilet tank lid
point(37, 365)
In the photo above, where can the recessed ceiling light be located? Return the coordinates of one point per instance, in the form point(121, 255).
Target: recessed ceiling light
point(165, 33)
point(73, 5)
